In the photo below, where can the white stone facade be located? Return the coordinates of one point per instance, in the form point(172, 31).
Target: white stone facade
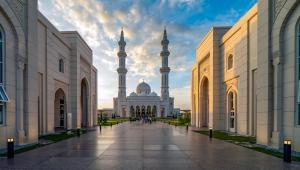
point(143, 102)
point(246, 77)
point(48, 76)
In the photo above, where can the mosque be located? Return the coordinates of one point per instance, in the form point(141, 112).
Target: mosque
point(143, 102)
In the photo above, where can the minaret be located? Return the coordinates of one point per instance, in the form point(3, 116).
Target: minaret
point(164, 70)
point(122, 69)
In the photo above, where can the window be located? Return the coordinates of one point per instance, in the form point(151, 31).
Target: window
point(1, 113)
point(1, 56)
point(61, 66)
point(298, 74)
point(230, 62)
point(3, 95)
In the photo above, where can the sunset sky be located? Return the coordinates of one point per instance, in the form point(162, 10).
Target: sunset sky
point(99, 22)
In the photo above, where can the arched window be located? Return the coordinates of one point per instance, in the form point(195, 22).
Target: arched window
point(298, 73)
point(1, 55)
point(232, 111)
point(230, 62)
point(3, 95)
point(61, 66)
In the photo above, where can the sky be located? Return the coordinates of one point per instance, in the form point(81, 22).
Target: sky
point(99, 22)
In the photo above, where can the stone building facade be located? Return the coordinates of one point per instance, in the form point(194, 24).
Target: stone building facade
point(144, 102)
point(246, 77)
point(48, 82)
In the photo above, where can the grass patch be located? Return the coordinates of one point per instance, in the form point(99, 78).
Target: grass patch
point(274, 153)
point(245, 141)
point(52, 138)
point(24, 149)
point(114, 121)
point(229, 137)
point(174, 121)
point(58, 137)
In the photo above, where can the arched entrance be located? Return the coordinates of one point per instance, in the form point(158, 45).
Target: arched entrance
point(60, 110)
point(204, 102)
point(138, 111)
point(143, 111)
point(132, 111)
point(162, 112)
point(84, 103)
point(149, 111)
point(154, 111)
point(123, 112)
point(231, 111)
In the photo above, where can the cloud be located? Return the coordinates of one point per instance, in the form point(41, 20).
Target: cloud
point(100, 22)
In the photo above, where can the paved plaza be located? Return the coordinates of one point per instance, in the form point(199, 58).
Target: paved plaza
point(143, 146)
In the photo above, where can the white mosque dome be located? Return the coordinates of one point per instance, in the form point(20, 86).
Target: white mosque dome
point(133, 94)
point(153, 94)
point(143, 88)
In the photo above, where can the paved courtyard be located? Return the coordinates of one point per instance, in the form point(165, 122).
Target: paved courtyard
point(143, 146)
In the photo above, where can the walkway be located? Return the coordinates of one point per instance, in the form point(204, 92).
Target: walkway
point(137, 146)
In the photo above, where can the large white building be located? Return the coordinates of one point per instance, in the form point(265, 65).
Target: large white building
point(47, 79)
point(143, 102)
point(246, 77)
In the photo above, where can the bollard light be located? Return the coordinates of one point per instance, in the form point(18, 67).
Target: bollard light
point(210, 133)
point(78, 132)
point(100, 127)
point(187, 127)
point(10, 148)
point(287, 150)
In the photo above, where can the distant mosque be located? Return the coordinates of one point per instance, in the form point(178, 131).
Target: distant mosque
point(143, 102)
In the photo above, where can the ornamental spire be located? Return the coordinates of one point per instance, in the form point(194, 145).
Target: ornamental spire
point(165, 34)
point(165, 40)
point(122, 35)
point(122, 42)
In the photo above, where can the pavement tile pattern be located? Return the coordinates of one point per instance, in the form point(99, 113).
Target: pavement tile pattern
point(137, 146)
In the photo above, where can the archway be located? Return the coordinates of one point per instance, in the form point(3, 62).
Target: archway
point(123, 112)
point(204, 102)
point(143, 111)
point(84, 103)
point(149, 111)
point(231, 111)
point(60, 110)
point(138, 111)
point(132, 112)
point(154, 111)
point(162, 112)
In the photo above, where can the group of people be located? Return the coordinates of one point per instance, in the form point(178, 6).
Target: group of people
point(147, 119)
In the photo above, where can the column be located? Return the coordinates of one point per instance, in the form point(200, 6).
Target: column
point(20, 102)
point(277, 106)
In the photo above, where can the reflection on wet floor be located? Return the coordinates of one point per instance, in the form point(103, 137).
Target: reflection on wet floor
point(143, 146)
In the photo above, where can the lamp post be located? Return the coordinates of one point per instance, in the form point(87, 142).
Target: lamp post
point(287, 150)
point(10, 148)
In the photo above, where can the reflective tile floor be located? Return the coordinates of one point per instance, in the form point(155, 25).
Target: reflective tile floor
point(143, 146)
